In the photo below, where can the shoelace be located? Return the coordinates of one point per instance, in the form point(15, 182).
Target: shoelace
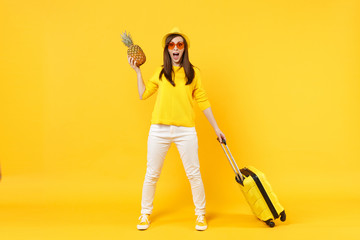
point(143, 218)
point(200, 218)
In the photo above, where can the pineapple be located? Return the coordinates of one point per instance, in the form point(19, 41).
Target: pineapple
point(133, 51)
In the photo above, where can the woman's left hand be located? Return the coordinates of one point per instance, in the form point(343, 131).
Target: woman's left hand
point(220, 135)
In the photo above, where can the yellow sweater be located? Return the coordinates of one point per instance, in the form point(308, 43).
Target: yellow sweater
point(175, 105)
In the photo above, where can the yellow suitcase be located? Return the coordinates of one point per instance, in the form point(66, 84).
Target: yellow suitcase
point(257, 191)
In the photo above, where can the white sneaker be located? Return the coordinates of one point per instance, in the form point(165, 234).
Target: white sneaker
point(144, 222)
point(201, 224)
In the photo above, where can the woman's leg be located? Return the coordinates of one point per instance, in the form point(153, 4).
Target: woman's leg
point(158, 145)
point(187, 143)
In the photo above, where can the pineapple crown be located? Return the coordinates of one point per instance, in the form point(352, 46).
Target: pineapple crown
point(126, 39)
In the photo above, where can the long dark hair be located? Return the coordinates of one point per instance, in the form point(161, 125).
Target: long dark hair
point(185, 63)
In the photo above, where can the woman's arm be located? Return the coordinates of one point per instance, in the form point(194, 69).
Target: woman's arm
point(140, 82)
point(210, 117)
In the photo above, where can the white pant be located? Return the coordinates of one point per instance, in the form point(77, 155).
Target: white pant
point(159, 141)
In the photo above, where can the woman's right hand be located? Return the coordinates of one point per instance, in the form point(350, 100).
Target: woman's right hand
point(141, 85)
point(132, 63)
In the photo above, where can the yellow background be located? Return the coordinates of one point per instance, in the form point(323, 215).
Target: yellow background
point(284, 82)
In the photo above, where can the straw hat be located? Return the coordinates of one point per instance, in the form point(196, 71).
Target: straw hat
point(175, 30)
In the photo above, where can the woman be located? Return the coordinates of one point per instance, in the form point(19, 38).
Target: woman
point(179, 85)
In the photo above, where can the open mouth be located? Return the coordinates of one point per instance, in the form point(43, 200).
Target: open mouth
point(176, 56)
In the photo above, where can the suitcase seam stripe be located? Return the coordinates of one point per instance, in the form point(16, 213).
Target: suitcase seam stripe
point(264, 194)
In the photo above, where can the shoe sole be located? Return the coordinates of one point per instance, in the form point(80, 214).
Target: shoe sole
point(200, 228)
point(143, 227)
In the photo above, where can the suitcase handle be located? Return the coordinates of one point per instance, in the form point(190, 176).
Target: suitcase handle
point(231, 159)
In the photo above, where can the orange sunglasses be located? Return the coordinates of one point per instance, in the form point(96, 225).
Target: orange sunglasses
point(179, 45)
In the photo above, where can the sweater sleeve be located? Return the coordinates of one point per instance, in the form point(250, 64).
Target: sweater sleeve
point(199, 93)
point(152, 85)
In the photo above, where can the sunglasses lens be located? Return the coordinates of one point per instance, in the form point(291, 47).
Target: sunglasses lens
point(171, 45)
point(180, 45)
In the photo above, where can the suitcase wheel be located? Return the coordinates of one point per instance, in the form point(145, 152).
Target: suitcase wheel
point(270, 223)
point(283, 216)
